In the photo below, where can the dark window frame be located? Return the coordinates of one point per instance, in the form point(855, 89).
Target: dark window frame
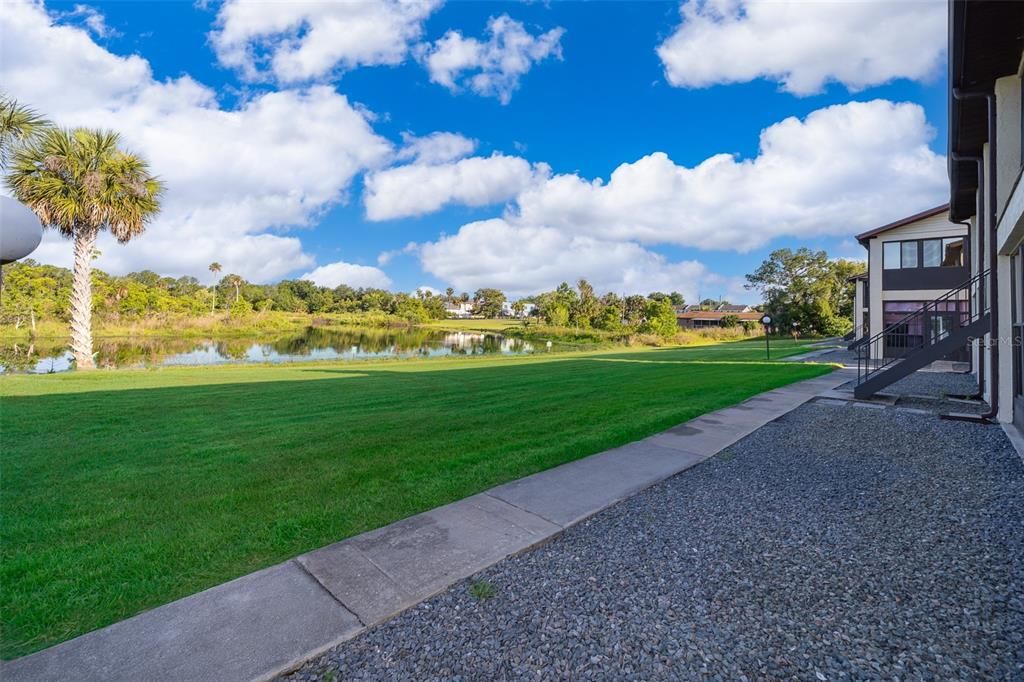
point(920, 252)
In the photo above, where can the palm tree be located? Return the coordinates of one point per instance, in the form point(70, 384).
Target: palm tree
point(19, 125)
point(215, 269)
point(79, 182)
point(449, 295)
point(236, 281)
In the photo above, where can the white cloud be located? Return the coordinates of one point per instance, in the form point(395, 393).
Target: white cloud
point(386, 257)
point(420, 188)
point(804, 45)
point(91, 18)
point(435, 148)
point(491, 68)
point(356, 276)
point(525, 259)
point(298, 41)
point(233, 176)
point(840, 170)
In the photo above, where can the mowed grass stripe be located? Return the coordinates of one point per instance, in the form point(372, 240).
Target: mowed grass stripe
point(125, 490)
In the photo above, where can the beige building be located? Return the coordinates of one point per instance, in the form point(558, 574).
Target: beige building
point(911, 262)
point(986, 59)
point(986, 160)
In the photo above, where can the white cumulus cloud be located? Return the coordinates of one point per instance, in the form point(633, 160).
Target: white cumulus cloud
point(435, 148)
point(234, 176)
point(839, 170)
point(527, 259)
point(804, 45)
point(492, 68)
point(355, 276)
point(420, 188)
point(297, 41)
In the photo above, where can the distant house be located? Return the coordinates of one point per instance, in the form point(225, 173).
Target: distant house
point(699, 319)
point(459, 309)
point(507, 310)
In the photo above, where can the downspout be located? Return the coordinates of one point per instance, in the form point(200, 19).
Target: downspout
point(979, 211)
point(993, 297)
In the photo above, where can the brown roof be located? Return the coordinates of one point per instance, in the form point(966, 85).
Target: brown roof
point(864, 236)
point(859, 275)
point(717, 315)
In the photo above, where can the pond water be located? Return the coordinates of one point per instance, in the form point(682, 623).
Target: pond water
point(313, 344)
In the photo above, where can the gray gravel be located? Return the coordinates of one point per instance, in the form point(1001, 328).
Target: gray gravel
point(838, 542)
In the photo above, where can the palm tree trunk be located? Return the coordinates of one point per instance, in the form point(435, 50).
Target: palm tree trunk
point(81, 300)
point(213, 306)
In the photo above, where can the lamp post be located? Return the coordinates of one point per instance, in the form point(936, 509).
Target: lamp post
point(766, 320)
point(20, 230)
point(796, 330)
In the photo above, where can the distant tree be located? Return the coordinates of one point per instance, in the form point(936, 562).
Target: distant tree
point(449, 295)
point(488, 302)
point(657, 296)
point(677, 298)
point(215, 268)
point(236, 281)
point(518, 307)
point(610, 318)
point(806, 287)
point(633, 308)
point(80, 182)
point(660, 318)
point(585, 307)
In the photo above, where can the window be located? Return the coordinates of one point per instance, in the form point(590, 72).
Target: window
point(953, 252)
point(947, 252)
point(891, 255)
point(908, 254)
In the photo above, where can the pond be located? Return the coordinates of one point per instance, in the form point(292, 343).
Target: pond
point(42, 357)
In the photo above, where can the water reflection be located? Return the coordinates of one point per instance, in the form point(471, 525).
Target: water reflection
point(315, 343)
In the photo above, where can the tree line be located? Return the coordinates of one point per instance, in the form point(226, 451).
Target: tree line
point(33, 291)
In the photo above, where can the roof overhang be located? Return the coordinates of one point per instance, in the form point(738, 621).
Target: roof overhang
point(863, 237)
point(986, 38)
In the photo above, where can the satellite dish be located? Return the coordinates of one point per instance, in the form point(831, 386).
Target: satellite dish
point(20, 230)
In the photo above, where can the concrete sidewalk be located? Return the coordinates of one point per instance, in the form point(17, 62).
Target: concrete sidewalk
point(269, 622)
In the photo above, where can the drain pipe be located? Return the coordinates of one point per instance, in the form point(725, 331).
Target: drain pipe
point(979, 211)
point(990, 211)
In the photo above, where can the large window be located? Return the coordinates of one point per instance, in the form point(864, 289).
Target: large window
point(947, 252)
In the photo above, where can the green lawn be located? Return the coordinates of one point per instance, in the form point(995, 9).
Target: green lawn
point(123, 490)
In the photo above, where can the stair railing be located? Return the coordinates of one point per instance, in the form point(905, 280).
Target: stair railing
point(912, 332)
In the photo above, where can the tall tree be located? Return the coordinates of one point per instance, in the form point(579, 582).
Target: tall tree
point(236, 281)
point(215, 268)
point(488, 302)
point(79, 182)
point(806, 287)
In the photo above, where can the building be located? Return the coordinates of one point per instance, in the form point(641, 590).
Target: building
point(459, 309)
point(699, 319)
point(986, 157)
point(910, 262)
point(508, 310)
point(986, 194)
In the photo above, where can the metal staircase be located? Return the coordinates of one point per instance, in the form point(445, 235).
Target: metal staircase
point(930, 333)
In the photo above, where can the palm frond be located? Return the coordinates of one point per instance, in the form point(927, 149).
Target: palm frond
point(79, 180)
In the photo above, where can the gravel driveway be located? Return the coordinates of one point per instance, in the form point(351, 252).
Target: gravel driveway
point(838, 542)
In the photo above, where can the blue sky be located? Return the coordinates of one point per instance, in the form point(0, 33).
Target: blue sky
point(596, 96)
